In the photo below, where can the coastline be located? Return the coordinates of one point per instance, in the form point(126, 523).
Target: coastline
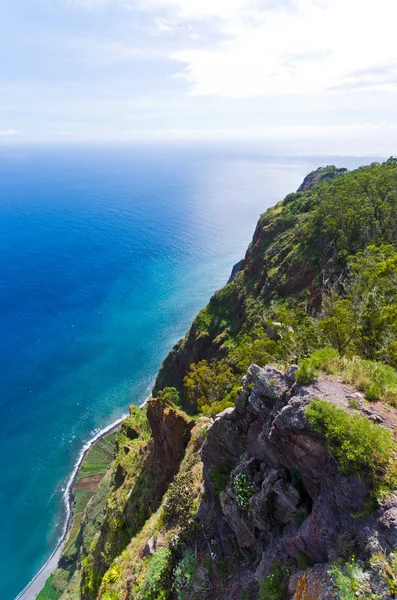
point(34, 587)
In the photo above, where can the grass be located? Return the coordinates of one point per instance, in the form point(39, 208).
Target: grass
point(356, 443)
point(49, 592)
point(91, 473)
point(376, 380)
point(274, 587)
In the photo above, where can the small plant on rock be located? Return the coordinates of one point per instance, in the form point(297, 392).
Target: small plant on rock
point(191, 580)
point(274, 587)
point(244, 489)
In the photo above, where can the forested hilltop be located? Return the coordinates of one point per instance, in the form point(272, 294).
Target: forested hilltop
point(265, 466)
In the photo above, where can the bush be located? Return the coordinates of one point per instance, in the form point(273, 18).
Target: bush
point(220, 477)
point(207, 385)
point(244, 489)
point(191, 580)
point(169, 396)
point(274, 587)
point(354, 441)
point(323, 359)
point(157, 582)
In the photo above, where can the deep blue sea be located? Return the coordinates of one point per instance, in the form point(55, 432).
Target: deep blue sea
point(106, 254)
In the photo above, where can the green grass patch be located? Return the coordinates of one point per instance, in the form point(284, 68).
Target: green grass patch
point(376, 380)
point(48, 592)
point(355, 443)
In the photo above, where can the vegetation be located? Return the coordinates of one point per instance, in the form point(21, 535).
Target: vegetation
point(220, 476)
point(274, 587)
point(377, 380)
point(169, 396)
point(190, 578)
point(158, 577)
point(355, 579)
point(210, 388)
point(355, 443)
point(244, 489)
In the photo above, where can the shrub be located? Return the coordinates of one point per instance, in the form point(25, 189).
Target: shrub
point(169, 396)
point(220, 477)
point(191, 580)
point(274, 587)
point(157, 582)
point(114, 574)
point(244, 489)
point(351, 581)
point(354, 441)
point(323, 359)
point(207, 385)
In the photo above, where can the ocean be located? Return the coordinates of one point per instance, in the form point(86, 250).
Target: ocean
point(106, 255)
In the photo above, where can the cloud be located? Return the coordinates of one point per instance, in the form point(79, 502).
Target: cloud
point(308, 47)
point(276, 47)
point(9, 133)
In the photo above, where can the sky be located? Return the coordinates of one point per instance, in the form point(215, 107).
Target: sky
point(304, 75)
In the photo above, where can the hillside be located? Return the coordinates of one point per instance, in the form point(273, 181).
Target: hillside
point(265, 464)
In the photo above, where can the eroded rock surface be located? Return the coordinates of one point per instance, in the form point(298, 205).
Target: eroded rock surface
point(297, 504)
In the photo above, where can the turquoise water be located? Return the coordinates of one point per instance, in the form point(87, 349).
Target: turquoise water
point(106, 256)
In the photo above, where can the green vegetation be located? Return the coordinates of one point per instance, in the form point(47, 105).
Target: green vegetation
point(179, 505)
point(377, 380)
point(169, 396)
point(274, 587)
point(210, 388)
point(244, 489)
point(220, 476)
point(190, 578)
point(351, 581)
point(49, 592)
point(355, 579)
point(158, 577)
point(355, 443)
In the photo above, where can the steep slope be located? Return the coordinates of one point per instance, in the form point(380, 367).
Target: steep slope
point(283, 482)
point(298, 257)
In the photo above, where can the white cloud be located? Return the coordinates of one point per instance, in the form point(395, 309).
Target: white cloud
point(309, 48)
point(9, 133)
point(272, 47)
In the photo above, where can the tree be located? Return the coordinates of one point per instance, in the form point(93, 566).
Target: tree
point(208, 385)
point(169, 395)
point(339, 328)
point(373, 288)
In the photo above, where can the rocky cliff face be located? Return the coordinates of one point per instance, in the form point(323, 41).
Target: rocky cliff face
point(285, 501)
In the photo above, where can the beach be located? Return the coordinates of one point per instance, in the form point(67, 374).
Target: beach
point(34, 587)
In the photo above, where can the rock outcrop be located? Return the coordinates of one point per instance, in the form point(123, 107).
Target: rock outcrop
point(170, 433)
point(321, 174)
point(294, 502)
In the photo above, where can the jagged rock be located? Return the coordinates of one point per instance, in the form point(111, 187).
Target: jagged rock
point(237, 521)
point(290, 374)
point(388, 518)
point(225, 442)
point(235, 271)
point(286, 501)
point(150, 547)
point(268, 382)
point(170, 433)
point(300, 502)
point(314, 584)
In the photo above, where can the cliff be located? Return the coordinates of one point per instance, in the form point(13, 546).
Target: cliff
point(282, 480)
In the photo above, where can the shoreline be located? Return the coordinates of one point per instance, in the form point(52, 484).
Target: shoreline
point(36, 584)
